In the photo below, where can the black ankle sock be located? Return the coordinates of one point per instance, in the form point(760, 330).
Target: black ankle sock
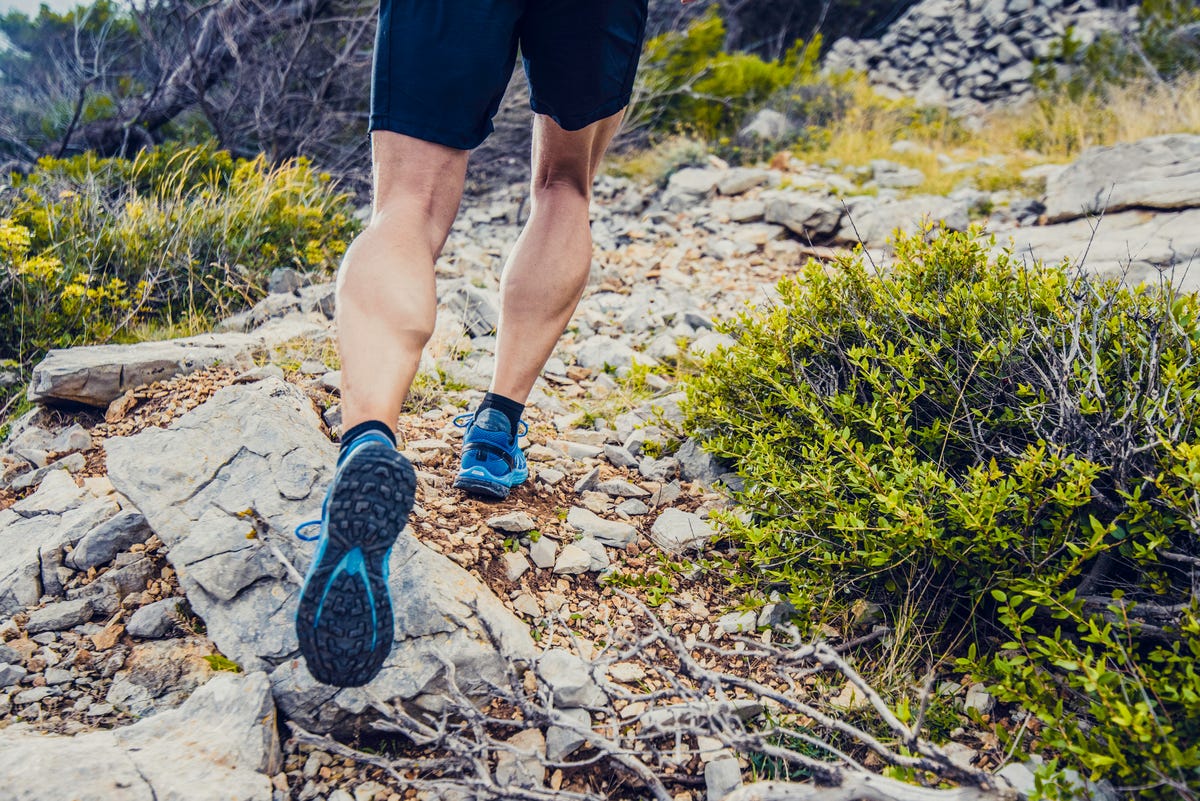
point(371, 425)
point(506, 406)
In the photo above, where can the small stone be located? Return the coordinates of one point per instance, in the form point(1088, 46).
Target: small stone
point(101, 545)
point(108, 637)
point(599, 556)
point(722, 776)
point(569, 678)
point(609, 532)
point(340, 795)
point(633, 507)
point(522, 766)
point(550, 477)
point(543, 552)
point(849, 699)
point(248, 377)
point(370, 791)
point(626, 672)
point(59, 616)
point(57, 676)
point(677, 531)
point(735, 622)
point(527, 605)
point(621, 489)
point(32, 695)
point(562, 742)
point(154, 621)
point(515, 565)
point(589, 481)
point(11, 675)
point(979, 699)
point(619, 457)
point(666, 494)
point(513, 522)
point(100, 710)
point(573, 560)
point(663, 469)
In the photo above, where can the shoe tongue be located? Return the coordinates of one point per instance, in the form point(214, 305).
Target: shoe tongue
point(493, 420)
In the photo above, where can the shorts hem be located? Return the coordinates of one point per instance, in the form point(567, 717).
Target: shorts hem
point(575, 122)
point(383, 122)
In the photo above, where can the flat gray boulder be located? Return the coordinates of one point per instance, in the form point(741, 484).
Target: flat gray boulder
point(222, 743)
point(225, 486)
point(96, 375)
point(873, 221)
point(805, 215)
point(1162, 172)
point(1135, 246)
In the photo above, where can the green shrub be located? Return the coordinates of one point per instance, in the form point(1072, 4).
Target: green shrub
point(92, 246)
point(689, 82)
point(1009, 450)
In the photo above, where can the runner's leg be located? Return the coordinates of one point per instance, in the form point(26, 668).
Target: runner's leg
point(386, 297)
point(547, 270)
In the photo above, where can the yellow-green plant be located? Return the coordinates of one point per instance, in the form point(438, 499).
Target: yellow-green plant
point(1015, 449)
point(92, 246)
point(689, 82)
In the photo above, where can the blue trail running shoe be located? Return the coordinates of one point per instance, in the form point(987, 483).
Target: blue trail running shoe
point(492, 462)
point(345, 617)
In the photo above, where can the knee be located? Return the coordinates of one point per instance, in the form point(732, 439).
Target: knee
point(559, 188)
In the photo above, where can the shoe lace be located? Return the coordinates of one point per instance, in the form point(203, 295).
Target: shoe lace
point(465, 420)
point(308, 524)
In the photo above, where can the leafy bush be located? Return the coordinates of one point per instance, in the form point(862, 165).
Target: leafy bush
point(689, 81)
point(91, 246)
point(1012, 451)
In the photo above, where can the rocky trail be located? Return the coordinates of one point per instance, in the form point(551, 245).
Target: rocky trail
point(148, 569)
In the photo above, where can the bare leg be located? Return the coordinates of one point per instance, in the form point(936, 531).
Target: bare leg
point(386, 299)
point(547, 270)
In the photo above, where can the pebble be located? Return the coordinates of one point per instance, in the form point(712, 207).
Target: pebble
point(543, 552)
point(154, 621)
point(619, 457)
point(32, 695)
point(550, 477)
point(609, 532)
point(677, 532)
point(735, 622)
point(513, 522)
point(515, 565)
point(59, 616)
point(589, 482)
point(597, 553)
point(633, 507)
point(722, 776)
point(573, 560)
point(620, 488)
point(11, 675)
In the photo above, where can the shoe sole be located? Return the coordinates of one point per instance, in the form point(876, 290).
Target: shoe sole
point(491, 488)
point(344, 621)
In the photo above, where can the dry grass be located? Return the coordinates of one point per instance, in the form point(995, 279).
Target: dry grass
point(989, 153)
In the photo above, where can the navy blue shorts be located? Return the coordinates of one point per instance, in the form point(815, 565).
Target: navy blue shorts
point(441, 66)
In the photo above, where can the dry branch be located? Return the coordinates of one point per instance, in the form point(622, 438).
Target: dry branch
point(649, 750)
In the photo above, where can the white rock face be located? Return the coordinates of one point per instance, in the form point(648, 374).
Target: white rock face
point(204, 491)
point(222, 743)
point(1162, 172)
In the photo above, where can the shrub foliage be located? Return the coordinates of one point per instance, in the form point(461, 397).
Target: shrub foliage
point(89, 247)
point(1013, 451)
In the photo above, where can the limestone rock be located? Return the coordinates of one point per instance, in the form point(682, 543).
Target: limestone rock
point(805, 215)
point(154, 621)
point(1162, 172)
point(1135, 246)
point(609, 532)
point(873, 221)
point(222, 743)
point(100, 545)
point(226, 507)
point(96, 375)
point(59, 616)
point(678, 532)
